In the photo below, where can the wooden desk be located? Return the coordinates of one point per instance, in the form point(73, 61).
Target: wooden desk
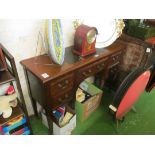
point(63, 81)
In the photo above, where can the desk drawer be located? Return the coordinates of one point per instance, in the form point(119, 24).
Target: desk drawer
point(115, 59)
point(63, 84)
point(92, 69)
point(64, 98)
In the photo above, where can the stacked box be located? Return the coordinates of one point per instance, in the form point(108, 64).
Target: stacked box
point(58, 118)
point(86, 108)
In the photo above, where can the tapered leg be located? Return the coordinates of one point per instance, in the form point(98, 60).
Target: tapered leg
point(49, 120)
point(34, 105)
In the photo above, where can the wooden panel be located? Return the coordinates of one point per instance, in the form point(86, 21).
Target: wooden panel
point(16, 112)
point(61, 84)
point(91, 69)
point(5, 77)
point(36, 88)
point(115, 59)
point(59, 100)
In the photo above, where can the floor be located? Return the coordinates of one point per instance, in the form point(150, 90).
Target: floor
point(101, 122)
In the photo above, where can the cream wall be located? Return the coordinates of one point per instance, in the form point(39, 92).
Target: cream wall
point(20, 38)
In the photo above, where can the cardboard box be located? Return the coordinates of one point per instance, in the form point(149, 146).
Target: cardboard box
point(84, 110)
point(65, 130)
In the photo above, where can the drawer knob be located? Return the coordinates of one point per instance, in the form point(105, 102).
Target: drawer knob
point(60, 85)
point(99, 67)
point(60, 99)
point(66, 96)
point(89, 70)
point(63, 87)
point(84, 73)
point(66, 81)
point(102, 65)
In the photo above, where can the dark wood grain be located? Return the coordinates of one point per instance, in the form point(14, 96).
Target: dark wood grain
point(16, 112)
point(5, 77)
point(11, 75)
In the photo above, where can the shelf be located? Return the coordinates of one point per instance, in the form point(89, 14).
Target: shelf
point(17, 111)
point(6, 77)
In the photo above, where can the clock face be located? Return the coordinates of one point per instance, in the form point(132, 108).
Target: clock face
point(91, 36)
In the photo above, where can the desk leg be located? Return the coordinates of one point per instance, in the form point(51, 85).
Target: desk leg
point(49, 120)
point(99, 80)
point(34, 105)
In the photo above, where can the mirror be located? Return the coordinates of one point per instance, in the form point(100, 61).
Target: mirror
point(108, 30)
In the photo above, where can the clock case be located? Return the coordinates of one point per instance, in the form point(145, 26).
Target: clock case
point(81, 45)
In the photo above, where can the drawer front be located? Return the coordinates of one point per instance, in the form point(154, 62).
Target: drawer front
point(115, 59)
point(92, 69)
point(61, 85)
point(64, 98)
point(113, 70)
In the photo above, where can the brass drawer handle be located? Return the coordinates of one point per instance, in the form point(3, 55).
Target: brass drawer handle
point(100, 66)
point(66, 81)
point(63, 87)
point(89, 70)
point(66, 96)
point(59, 99)
point(84, 73)
point(60, 85)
